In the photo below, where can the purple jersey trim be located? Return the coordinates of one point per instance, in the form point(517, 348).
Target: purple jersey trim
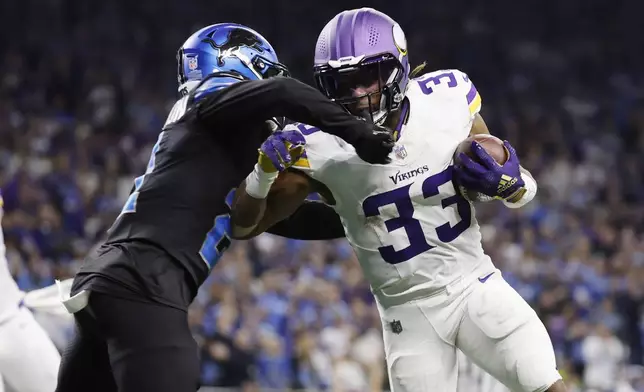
point(471, 94)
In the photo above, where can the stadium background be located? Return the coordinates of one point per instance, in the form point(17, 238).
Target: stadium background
point(85, 87)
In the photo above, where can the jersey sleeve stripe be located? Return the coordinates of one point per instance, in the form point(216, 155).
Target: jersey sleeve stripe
point(471, 95)
point(475, 105)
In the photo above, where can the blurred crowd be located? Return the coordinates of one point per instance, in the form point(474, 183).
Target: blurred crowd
point(86, 86)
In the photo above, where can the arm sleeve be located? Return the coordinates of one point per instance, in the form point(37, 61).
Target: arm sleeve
point(259, 100)
point(311, 221)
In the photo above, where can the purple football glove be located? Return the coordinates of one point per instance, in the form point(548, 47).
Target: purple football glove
point(281, 150)
point(487, 176)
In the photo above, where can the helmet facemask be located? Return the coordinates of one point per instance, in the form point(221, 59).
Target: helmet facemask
point(268, 69)
point(369, 89)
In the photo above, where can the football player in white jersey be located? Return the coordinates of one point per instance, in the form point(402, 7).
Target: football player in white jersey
point(415, 236)
point(28, 359)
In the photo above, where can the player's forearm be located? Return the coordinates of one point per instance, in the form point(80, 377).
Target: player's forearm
point(251, 217)
point(526, 194)
point(247, 211)
point(257, 208)
point(305, 104)
point(310, 222)
point(276, 97)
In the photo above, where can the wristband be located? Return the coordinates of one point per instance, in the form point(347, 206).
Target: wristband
point(528, 192)
point(259, 182)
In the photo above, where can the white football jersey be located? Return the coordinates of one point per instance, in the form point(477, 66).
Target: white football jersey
point(412, 232)
point(10, 294)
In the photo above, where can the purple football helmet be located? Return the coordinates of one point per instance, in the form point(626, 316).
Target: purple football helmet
point(361, 55)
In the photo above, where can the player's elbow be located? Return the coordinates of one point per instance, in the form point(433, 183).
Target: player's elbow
point(242, 233)
point(479, 127)
point(245, 216)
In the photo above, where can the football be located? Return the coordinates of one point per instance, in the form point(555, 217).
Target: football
point(494, 146)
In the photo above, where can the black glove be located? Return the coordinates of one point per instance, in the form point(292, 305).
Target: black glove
point(375, 143)
point(375, 146)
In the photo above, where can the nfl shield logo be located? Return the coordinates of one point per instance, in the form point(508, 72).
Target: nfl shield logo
point(400, 151)
point(396, 327)
point(193, 63)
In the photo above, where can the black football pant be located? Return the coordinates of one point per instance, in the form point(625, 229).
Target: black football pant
point(127, 346)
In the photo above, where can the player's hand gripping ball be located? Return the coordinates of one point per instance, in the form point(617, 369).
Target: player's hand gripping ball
point(281, 150)
point(487, 168)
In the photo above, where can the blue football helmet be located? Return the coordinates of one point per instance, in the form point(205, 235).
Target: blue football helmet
point(230, 50)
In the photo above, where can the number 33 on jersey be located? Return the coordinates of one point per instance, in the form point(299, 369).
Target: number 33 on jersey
point(406, 222)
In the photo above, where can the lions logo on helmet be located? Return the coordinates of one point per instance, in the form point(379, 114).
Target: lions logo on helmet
point(235, 39)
